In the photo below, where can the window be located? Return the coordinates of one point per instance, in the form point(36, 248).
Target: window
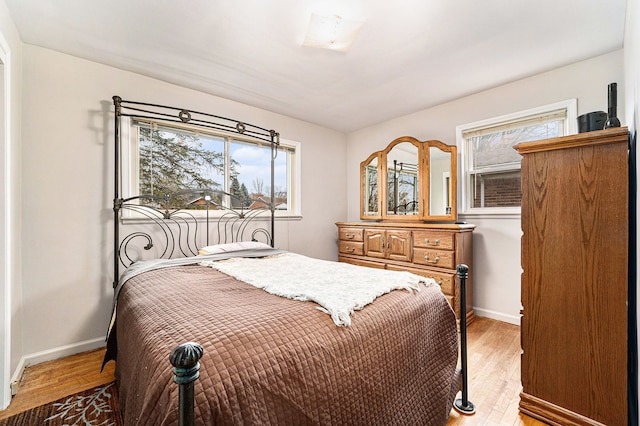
point(166, 159)
point(491, 166)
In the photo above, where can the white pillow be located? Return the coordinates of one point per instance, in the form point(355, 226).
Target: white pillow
point(241, 245)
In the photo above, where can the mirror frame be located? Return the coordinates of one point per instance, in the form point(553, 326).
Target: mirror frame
point(423, 182)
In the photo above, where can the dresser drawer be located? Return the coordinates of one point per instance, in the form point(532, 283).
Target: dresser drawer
point(350, 247)
point(445, 281)
point(351, 234)
point(429, 257)
point(433, 239)
point(360, 262)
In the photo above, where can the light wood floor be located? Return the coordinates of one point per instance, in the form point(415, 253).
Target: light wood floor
point(53, 380)
point(494, 377)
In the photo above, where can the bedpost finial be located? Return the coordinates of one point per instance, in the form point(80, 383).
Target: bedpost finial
point(275, 136)
point(117, 100)
point(184, 359)
point(186, 354)
point(462, 270)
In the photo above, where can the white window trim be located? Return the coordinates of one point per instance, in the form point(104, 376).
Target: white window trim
point(129, 157)
point(570, 127)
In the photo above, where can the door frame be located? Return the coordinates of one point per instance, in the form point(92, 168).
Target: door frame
point(6, 230)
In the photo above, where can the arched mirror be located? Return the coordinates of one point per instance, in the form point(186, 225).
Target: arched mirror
point(410, 180)
point(441, 163)
point(403, 179)
point(370, 187)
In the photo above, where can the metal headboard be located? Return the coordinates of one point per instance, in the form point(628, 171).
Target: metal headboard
point(171, 227)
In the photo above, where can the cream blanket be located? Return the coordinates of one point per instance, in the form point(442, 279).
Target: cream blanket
point(339, 288)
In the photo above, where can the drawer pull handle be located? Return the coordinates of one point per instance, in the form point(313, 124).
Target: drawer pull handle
point(432, 243)
point(350, 249)
point(426, 258)
point(350, 236)
point(439, 283)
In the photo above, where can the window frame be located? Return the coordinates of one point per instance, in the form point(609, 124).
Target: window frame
point(130, 165)
point(466, 168)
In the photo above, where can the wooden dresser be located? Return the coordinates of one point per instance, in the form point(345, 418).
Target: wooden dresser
point(575, 279)
point(425, 249)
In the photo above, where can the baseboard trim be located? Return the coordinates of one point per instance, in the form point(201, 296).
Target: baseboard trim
point(552, 414)
point(50, 355)
point(17, 376)
point(486, 313)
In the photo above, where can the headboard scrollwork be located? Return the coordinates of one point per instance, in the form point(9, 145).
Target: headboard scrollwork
point(173, 224)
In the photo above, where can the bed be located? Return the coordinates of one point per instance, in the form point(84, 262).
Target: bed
point(268, 352)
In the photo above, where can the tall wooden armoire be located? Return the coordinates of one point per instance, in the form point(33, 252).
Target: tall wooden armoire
point(575, 278)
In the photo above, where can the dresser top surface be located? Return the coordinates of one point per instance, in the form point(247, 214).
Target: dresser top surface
point(598, 137)
point(411, 225)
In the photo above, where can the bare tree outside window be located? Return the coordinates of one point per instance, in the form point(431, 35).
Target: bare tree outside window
point(258, 187)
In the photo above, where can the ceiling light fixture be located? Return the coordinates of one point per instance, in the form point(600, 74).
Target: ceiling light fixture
point(331, 32)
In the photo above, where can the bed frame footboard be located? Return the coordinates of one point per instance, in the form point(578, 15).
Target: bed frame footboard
point(185, 357)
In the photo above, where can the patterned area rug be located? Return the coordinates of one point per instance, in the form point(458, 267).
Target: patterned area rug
point(95, 407)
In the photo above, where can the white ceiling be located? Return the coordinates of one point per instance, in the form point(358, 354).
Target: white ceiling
point(410, 54)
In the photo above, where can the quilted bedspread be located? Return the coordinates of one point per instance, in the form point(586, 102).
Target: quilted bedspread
point(274, 361)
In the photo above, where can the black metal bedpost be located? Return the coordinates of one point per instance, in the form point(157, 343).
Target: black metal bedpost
point(275, 140)
point(463, 405)
point(116, 190)
point(184, 359)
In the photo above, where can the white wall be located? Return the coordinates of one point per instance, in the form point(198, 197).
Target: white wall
point(10, 289)
point(496, 263)
point(67, 190)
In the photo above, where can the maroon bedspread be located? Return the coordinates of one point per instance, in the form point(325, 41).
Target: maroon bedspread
point(270, 360)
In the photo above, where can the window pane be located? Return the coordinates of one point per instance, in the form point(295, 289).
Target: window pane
point(282, 171)
point(491, 165)
point(496, 189)
point(251, 178)
point(171, 161)
point(496, 148)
